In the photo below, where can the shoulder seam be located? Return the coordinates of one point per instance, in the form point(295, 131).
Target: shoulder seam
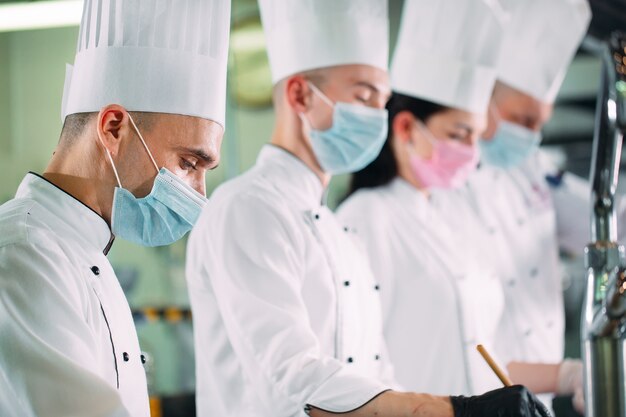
point(22, 235)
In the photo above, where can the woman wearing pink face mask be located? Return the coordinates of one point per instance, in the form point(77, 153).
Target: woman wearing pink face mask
point(438, 301)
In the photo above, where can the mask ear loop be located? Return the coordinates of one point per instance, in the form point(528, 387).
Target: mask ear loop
point(493, 109)
point(117, 177)
point(320, 94)
point(143, 142)
point(305, 122)
point(307, 128)
point(427, 133)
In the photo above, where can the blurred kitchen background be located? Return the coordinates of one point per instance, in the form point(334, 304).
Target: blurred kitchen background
point(33, 54)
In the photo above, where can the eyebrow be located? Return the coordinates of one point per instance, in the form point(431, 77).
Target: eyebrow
point(373, 87)
point(464, 126)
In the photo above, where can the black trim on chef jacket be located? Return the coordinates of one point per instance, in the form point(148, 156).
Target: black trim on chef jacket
point(117, 373)
point(106, 320)
point(112, 238)
point(308, 407)
point(95, 271)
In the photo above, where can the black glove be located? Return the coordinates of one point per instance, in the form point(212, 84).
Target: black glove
point(515, 401)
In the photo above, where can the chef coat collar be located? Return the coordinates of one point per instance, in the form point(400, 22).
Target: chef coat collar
point(415, 199)
point(304, 184)
point(80, 218)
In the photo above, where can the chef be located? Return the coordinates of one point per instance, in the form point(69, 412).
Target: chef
point(442, 76)
point(286, 310)
point(527, 207)
point(143, 112)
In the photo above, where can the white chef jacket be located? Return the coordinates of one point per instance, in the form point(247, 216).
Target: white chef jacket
point(286, 310)
point(68, 345)
point(438, 301)
point(529, 213)
point(519, 208)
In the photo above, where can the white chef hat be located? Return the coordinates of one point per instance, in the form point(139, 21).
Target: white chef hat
point(539, 44)
point(164, 56)
point(447, 52)
point(309, 34)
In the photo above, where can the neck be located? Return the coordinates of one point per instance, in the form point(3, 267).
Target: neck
point(82, 172)
point(410, 178)
point(404, 168)
point(288, 134)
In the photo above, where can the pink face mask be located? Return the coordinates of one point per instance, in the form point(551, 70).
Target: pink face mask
point(451, 163)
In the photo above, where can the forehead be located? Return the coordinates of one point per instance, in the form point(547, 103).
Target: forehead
point(357, 74)
point(457, 118)
point(511, 99)
point(189, 132)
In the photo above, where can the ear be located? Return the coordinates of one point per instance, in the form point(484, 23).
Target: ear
point(403, 125)
point(492, 122)
point(545, 114)
point(113, 124)
point(298, 93)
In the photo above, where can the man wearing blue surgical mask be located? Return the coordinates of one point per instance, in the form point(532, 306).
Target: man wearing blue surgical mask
point(131, 164)
point(534, 211)
point(287, 316)
point(514, 129)
point(526, 208)
point(336, 115)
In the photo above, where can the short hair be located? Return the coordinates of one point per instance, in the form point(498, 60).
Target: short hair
point(75, 124)
point(316, 76)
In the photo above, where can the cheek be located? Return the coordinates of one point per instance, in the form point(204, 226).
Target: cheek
point(176, 169)
point(472, 140)
point(427, 150)
point(137, 174)
point(321, 117)
point(422, 147)
point(142, 184)
point(173, 162)
point(194, 179)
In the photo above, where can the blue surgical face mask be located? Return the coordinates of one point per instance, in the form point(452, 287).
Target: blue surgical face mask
point(355, 138)
point(160, 218)
point(510, 146)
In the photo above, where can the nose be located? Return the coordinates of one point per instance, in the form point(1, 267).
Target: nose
point(199, 183)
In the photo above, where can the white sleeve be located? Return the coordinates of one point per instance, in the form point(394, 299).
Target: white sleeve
point(47, 361)
point(255, 259)
point(572, 201)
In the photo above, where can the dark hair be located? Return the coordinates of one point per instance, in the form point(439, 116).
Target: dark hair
point(75, 124)
point(384, 168)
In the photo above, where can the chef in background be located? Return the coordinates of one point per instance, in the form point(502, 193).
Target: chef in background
point(286, 309)
point(439, 298)
point(526, 207)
